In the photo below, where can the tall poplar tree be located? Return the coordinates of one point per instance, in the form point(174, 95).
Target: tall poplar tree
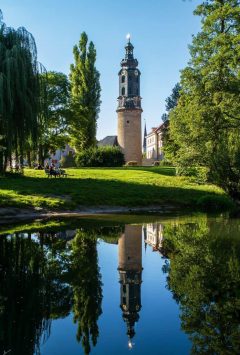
point(85, 94)
point(206, 122)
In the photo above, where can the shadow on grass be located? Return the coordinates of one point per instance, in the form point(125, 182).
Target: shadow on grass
point(99, 192)
point(161, 170)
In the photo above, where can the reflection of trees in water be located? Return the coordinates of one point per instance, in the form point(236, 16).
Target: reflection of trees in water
point(87, 288)
point(204, 276)
point(44, 277)
point(32, 293)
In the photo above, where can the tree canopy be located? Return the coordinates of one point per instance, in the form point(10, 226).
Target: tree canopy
point(55, 116)
point(19, 93)
point(85, 95)
point(205, 125)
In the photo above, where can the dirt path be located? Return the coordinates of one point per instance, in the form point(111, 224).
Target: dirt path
point(12, 215)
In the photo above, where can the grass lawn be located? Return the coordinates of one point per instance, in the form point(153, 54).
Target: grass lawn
point(133, 187)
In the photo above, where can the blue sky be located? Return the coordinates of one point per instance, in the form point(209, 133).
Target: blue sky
point(161, 31)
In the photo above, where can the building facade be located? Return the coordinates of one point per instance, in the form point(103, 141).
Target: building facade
point(129, 108)
point(153, 236)
point(154, 150)
point(56, 157)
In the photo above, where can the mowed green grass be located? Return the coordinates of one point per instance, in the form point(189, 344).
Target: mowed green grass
point(133, 187)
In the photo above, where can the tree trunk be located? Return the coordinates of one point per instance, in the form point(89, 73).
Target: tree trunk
point(29, 158)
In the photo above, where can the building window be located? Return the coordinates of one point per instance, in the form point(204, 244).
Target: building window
point(123, 79)
point(123, 91)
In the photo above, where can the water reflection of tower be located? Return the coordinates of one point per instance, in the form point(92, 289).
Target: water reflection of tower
point(130, 272)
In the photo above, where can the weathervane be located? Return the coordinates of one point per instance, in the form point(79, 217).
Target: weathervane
point(128, 36)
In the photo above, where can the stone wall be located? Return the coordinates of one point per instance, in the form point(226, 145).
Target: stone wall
point(130, 134)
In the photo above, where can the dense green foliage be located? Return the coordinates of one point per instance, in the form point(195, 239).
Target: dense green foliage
point(129, 187)
point(53, 121)
point(172, 100)
point(204, 276)
point(19, 93)
point(169, 145)
point(100, 157)
point(85, 95)
point(38, 108)
point(205, 125)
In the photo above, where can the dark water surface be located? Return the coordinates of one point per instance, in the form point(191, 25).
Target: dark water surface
point(168, 286)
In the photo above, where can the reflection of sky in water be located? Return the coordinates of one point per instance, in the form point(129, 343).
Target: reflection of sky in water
point(124, 274)
point(158, 322)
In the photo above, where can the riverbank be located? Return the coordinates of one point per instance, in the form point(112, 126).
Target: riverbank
point(109, 189)
point(15, 215)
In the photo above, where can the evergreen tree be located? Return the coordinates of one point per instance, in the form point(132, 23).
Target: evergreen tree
point(206, 122)
point(172, 100)
point(169, 146)
point(85, 95)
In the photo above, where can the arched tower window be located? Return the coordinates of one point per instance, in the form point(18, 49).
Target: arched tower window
point(123, 91)
point(123, 79)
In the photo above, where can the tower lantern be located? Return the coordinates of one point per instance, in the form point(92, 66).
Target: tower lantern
point(129, 107)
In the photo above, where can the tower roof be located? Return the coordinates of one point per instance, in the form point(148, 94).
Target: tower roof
point(129, 60)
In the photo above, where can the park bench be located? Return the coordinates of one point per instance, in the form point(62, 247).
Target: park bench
point(55, 173)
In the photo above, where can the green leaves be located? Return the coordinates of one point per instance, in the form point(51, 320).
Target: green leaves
point(19, 92)
point(55, 115)
point(85, 95)
point(206, 119)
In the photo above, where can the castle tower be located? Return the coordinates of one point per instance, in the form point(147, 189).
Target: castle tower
point(130, 273)
point(129, 107)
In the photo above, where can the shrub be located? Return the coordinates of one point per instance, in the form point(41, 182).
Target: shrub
point(199, 174)
point(210, 203)
point(100, 157)
point(166, 162)
point(132, 163)
point(68, 161)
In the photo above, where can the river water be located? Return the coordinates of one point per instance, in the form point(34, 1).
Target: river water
point(145, 286)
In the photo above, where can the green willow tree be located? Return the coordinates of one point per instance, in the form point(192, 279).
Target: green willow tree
point(19, 93)
point(206, 122)
point(85, 95)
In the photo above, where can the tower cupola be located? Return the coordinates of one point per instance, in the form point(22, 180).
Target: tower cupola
point(129, 106)
point(129, 80)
